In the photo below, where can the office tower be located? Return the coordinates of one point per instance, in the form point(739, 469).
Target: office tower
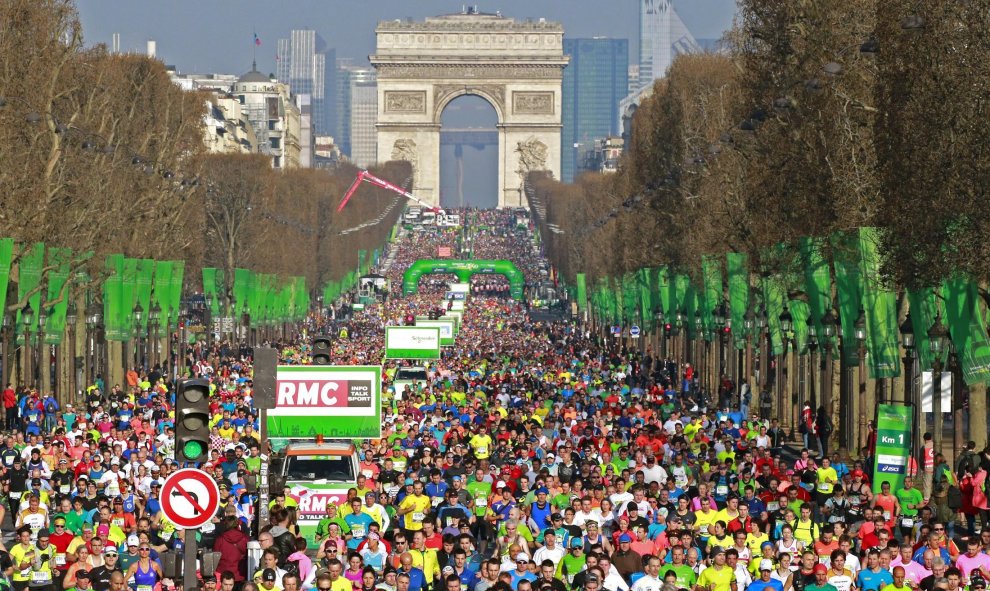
point(662, 37)
point(363, 116)
point(595, 80)
point(301, 62)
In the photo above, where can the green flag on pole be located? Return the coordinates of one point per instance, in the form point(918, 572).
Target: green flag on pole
point(737, 269)
point(967, 329)
point(880, 306)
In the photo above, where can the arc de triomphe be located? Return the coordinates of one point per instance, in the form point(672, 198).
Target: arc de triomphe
point(516, 66)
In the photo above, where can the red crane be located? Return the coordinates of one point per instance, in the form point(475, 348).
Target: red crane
point(365, 176)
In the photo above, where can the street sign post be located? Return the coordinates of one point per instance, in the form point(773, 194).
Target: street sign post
point(634, 331)
point(190, 499)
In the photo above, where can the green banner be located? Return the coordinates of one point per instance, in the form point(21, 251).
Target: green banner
point(6, 257)
point(113, 287)
point(161, 289)
point(880, 306)
point(175, 289)
point(129, 292)
point(817, 281)
point(210, 289)
point(645, 300)
point(690, 310)
point(145, 279)
point(582, 292)
point(773, 294)
point(28, 282)
point(845, 257)
point(799, 319)
point(679, 299)
point(924, 309)
point(663, 289)
point(967, 329)
point(711, 269)
point(894, 430)
point(737, 271)
point(59, 259)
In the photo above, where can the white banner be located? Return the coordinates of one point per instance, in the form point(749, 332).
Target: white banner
point(928, 387)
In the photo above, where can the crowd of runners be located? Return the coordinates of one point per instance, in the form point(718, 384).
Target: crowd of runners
point(535, 457)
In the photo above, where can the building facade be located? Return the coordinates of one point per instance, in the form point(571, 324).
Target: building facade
point(226, 127)
point(276, 120)
point(595, 81)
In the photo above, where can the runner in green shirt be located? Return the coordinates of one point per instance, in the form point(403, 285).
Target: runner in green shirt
point(911, 501)
point(574, 561)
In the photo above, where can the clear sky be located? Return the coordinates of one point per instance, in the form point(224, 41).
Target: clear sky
point(217, 35)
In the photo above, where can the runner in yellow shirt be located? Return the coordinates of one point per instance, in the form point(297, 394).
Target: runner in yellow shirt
point(717, 577)
point(414, 508)
point(481, 444)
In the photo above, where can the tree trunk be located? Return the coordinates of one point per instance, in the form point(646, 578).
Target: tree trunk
point(978, 415)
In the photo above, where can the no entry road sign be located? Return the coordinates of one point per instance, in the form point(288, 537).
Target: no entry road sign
point(190, 498)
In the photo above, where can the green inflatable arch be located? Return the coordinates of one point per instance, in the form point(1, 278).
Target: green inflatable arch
point(464, 270)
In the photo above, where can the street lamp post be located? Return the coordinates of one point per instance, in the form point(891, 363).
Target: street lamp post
point(662, 333)
point(75, 367)
point(786, 325)
point(860, 333)
point(812, 350)
point(764, 349)
point(825, 357)
point(138, 316)
point(43, 362)
point(746, 352)
point(154, 317)
point(720, 323)
point(179, 359)
point(699, 327)
point(938, 339)
point(27, 318)
point(907, 338)
point(94, 316)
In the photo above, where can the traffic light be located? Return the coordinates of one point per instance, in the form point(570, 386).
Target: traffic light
point(192, 420)
point(321, 350)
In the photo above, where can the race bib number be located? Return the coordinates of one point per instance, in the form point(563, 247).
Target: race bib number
point(16, 495)
point(482, 451)
point(60, 560)
point(118, 522)
point(418, 516)
point(773, 506)
point(208, 528)
point(886, 515)
point(64, 489)
point(481, 502)
point(436, 501)
point(166, 536)
point(368, 473)
point(907, 522)
point(41, 576)
point(357, 530)
point(145, 588)
point(722, 490)
point(824, 487)
point(392, 490)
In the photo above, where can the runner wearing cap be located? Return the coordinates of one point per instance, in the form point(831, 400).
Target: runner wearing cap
point(766, 582)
